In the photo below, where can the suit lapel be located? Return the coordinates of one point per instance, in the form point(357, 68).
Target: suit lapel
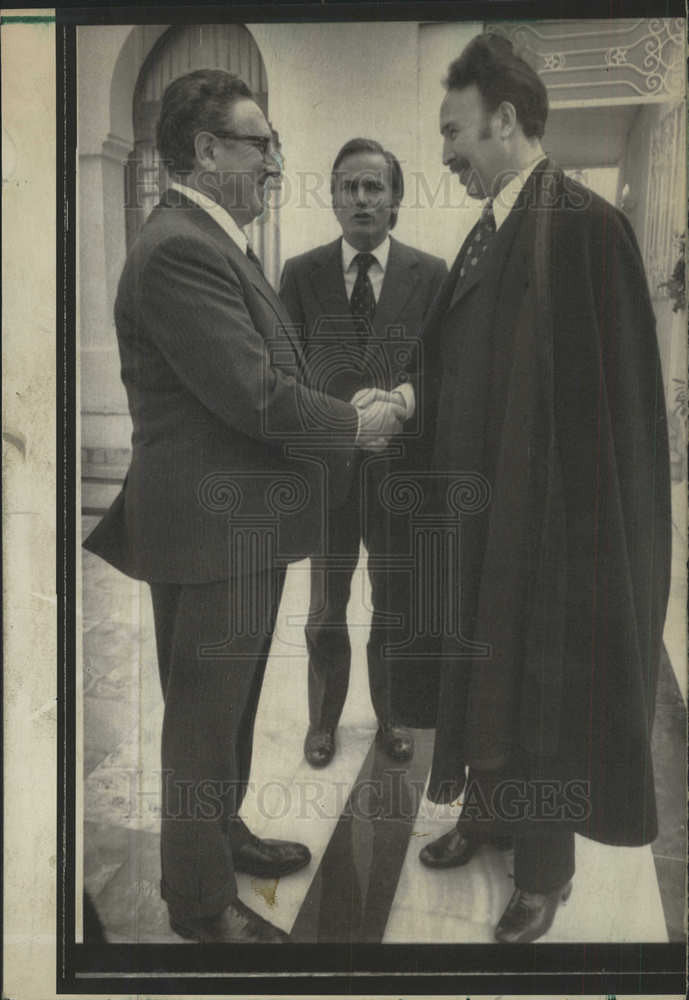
point(441, 302)
point(328, 286)
point(327, 281)
point(400, 280)
point(261, 285)
point(490, 260)
point(461, 287)
point(210, 228)
point(498, 251)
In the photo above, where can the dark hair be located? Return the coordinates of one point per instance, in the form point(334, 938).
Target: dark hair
point(193, 102)
point(396, 175)
point(490, 62)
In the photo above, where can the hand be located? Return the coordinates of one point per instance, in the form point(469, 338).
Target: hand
point(381, 415)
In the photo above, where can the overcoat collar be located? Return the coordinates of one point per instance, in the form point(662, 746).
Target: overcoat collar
point(502, 240)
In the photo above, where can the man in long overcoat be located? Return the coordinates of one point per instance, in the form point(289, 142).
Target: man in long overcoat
point(541, 355)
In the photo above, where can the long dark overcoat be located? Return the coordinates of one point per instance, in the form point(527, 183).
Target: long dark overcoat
point(546, 373)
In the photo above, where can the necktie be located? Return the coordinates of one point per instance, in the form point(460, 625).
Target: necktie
point(482, 235)
point(253, 258)
point(362, 304)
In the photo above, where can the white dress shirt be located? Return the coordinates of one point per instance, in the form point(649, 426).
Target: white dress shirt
point(376, 271)
point(505, 199)
point(376, 274)
point(216, 212)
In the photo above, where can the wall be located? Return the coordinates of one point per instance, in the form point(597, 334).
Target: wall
point(108, 61)
point(330, 82)
point(635, 173)
point(444, 212)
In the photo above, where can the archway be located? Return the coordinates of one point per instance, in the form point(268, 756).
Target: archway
point(180, 50)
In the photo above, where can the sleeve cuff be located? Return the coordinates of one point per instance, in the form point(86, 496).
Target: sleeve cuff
point(406, 391)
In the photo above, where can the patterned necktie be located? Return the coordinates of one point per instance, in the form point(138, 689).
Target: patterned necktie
point(253, 258)
point(362, 304)
point(483, 234)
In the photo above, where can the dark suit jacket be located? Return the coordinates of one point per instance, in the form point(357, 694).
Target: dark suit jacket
point(548, 385)
point(215, 387)
point(313, 291)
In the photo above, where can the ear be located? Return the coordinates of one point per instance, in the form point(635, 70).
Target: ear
point(507, 119)
point(204, 150)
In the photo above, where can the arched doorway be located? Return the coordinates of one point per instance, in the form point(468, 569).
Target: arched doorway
point(180, 50)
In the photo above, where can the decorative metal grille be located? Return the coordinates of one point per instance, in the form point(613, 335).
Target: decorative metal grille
point(604, 60)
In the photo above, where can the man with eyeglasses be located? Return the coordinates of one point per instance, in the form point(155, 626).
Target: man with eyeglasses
point(216, 389)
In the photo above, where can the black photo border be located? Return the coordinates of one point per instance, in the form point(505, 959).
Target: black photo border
point(325, 969)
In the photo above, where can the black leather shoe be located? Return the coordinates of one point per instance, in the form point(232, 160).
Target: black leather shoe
point(270, 858)
point(529, 915)
point(449, 851)
point(397, 742)
point(319, 746)
point(237, 924)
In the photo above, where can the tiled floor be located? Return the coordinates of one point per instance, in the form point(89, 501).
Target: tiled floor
point(619, 894)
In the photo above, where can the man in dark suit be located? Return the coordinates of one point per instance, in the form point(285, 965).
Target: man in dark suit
point(547, 384)
point(213, 506)
point(360, 303)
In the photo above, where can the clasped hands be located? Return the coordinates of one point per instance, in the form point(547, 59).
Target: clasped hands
point(381, 415)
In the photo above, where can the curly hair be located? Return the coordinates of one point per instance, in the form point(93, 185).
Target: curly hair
point(490, 62)
point(195, 101)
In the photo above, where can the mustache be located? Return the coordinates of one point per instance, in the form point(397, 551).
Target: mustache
point(457, 166)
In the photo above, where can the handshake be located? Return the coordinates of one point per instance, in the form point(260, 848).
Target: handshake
point(381, 415)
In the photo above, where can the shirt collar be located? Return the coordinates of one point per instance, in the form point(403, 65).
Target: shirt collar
point(504, 201)
point(381, 253)
point(216, 212)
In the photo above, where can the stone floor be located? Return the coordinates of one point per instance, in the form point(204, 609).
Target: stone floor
point(619, 894)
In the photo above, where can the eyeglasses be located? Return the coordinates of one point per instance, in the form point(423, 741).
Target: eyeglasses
point(264, 144)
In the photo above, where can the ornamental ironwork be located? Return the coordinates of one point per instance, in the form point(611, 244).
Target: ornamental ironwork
point(626, 59)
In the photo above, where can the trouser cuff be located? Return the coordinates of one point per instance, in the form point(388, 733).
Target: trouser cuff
point(181, 908)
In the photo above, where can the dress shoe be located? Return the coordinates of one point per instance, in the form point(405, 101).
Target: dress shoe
point(319, 746)
point(449, 851)
point(269, 858)
point(237, 924)
point(529, 915)
point(397, 743)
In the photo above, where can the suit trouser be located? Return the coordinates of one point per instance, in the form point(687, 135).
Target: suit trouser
point(543, 862)
point(211, 696)
point(327, 635)
point(543, 859)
